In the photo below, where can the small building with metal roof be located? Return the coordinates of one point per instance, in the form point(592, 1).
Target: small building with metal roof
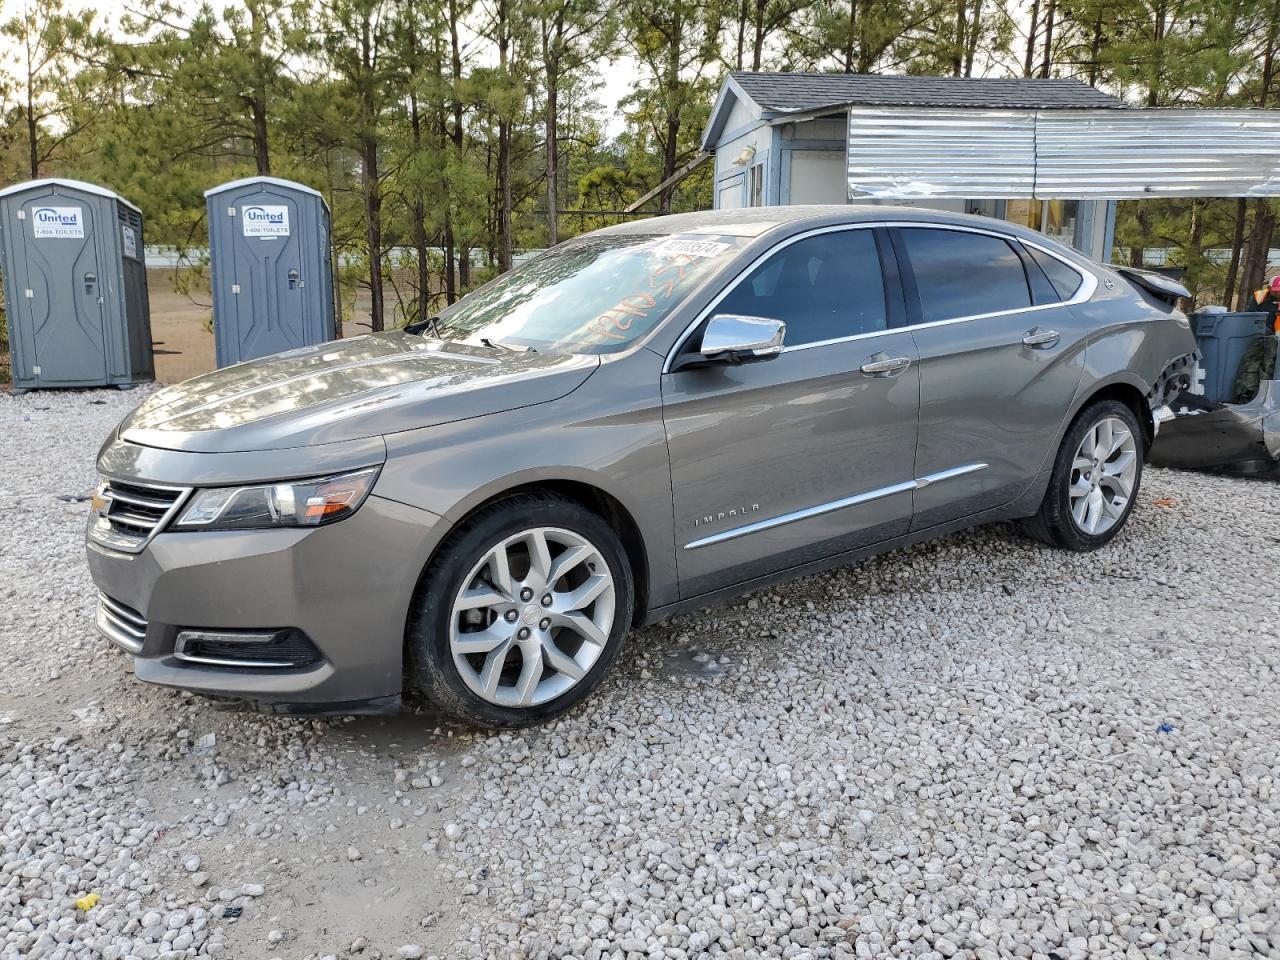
point(1052, 154)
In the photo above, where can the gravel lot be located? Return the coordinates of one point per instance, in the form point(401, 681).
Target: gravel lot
point(973, 748)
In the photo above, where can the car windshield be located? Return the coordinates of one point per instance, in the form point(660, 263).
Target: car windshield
point(591, 295)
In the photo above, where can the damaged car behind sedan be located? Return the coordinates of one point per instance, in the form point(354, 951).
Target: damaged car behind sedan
point(634, 424)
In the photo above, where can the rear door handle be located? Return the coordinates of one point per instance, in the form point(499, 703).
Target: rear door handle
point(882, 366)
point(1039, 339)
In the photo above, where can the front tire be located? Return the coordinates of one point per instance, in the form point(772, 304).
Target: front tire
point(522, 612)
point(1095, 479)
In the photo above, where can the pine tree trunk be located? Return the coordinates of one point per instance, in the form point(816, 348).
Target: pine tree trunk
point(669, 162)
point(1195, 243)
point(851, 39)
point(1137, 252)
point(971, 43)
point(1095, 50)
point(742, 34)
point(33, 153)
point(1255, 269)
point(369, 183)
point(334, 263)
point(1050, 15)
point(450, 282)
point(457, 133)
point(505, 242)
point(671, 83)
point(757, 49)
point(419, 208)
point(1237, 241)
point(553, 157)
point(1032, 29)
point(373, 229)
point(261, 151)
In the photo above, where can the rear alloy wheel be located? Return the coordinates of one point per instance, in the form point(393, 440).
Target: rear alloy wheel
point(1095, 479)
point(522, 613)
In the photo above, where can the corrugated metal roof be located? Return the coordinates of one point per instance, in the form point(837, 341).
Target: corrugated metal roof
point(1151, 153)
point(799, 92)
point(971, 154)
point(905, 152)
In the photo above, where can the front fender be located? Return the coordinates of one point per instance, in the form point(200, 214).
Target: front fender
point(608, 434)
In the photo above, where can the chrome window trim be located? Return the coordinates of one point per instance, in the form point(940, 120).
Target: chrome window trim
point(1088, 285)
point(1087, 288)
point(823, 508)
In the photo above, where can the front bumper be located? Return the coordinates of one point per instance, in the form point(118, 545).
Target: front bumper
point(347, 586)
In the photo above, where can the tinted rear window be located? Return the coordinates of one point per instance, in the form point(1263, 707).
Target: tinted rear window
point(960, 274)
point(1066, 280)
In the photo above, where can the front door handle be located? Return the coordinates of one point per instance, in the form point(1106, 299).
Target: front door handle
point(1038, 339)
point(881, 366)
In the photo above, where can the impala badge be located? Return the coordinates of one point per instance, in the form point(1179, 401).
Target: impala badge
point(742, 511)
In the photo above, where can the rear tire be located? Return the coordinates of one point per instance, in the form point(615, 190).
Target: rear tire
point(521, 613)
point(1095, 481)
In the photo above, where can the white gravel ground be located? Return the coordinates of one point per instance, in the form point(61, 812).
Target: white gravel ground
point(974, 748)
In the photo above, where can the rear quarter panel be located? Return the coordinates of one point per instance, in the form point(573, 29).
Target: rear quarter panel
point(1134, 337)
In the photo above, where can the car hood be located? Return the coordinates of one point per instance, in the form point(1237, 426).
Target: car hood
point(349, 389)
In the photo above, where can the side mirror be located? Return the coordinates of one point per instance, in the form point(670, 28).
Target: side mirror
point(733, 339)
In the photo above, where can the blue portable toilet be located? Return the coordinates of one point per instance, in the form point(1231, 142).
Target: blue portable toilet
point(269, 247)
point(75, 286)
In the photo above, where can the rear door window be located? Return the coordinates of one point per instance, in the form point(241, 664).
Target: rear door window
point(962, 274)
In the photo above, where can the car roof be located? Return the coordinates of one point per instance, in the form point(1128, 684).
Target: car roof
point(757, 221)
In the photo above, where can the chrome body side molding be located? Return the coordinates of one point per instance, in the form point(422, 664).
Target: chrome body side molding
point(821, 508)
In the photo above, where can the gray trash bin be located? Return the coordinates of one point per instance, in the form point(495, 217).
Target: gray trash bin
point(75, 284)
point(269, 258)
point(1223, 338)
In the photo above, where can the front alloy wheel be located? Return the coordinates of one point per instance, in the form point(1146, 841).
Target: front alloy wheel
point(521, 612)
point(532, 617)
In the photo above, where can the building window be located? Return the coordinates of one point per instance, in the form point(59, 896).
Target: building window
point(1025, 213)
point(1060, 220)
point(1054, 218)
point(729, 194)
point(756, 193)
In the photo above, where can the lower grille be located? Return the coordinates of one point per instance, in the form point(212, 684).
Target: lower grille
point(128, 515)
point(121, 624)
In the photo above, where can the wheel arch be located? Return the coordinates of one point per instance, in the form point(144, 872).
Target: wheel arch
point(580, 490)
point(1133, 394)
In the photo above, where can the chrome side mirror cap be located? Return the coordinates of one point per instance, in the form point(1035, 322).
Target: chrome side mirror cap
point(732, 339)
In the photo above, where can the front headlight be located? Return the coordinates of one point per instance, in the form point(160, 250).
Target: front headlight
point(293, 503)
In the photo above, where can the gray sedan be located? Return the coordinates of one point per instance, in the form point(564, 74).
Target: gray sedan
point(636, 423)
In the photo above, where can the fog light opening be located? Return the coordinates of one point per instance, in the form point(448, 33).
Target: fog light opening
point(284, 649)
